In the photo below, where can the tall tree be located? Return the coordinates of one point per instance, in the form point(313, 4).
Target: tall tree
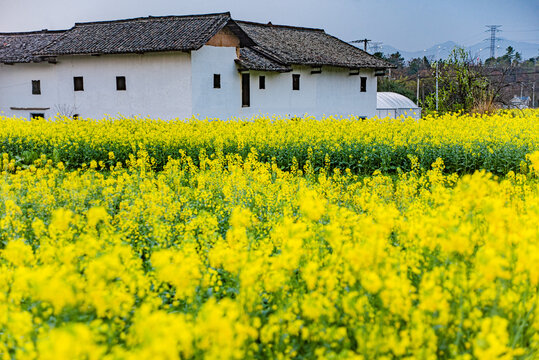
point(380, 55)
point(396, 59)
point(518, 58)
point(396, 86)
point(461, 85)
point(417, 64)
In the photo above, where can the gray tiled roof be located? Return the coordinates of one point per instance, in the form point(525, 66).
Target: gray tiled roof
point(303, 46)
point(20, 47)
point(264, 46)
point(148, 34)
point(253, 58)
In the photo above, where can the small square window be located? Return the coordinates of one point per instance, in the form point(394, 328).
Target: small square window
point(120, 83)
point(363, 84)
point(261, 82)
point(36, 115)
point(78, 83)
point(216, 81)
point(36, 87)
point(295, 81)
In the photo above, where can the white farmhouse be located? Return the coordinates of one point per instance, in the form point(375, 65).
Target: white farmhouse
point(179, 66)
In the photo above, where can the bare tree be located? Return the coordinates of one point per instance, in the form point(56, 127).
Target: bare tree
point(65, 110)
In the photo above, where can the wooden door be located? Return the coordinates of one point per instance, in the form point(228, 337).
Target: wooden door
point(245, 90)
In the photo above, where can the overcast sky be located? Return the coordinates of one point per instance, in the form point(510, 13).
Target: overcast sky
point(404, 24)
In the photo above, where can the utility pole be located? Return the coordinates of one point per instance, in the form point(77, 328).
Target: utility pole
point(364, 41)
point(417, 92)
point(533, 95)
point(493, 30)
point(436, 85)
point(521, 86)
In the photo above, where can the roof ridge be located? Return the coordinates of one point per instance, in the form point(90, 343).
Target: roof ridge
point(34, 32)
point(281, 26)
point(212, 24)
point(150, 17)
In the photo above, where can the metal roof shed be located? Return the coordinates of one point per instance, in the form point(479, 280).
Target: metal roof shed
point(393, 105)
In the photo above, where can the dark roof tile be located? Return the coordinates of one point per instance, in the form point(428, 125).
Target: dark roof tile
point(254, 59)
point(304, 46)
point(265, 46)
point(19, 47)
point(149, 34)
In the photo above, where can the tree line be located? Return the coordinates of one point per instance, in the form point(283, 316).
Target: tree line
point(464, 83)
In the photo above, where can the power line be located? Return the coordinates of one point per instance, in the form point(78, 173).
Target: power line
point(472, 38)
point(522, 30)
point(412, 77)
point(376, 46)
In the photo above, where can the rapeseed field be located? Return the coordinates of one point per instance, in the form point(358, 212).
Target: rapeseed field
point(494, 143)
point(273, 238)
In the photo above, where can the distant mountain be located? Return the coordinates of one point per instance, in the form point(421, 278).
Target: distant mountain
point(480, 50)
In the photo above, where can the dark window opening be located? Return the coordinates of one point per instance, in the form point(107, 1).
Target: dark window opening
point(216, 81)
point(261, 82)
point(245, 90)
point(363, 84)
point(120, 83)
point(295, 81)
point(78, 83)
point(36, 87)
point(36, 115)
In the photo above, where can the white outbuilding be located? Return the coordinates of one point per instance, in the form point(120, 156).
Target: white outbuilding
point(393, 105)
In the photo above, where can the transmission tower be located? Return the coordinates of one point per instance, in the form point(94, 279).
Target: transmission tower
point(493, 30)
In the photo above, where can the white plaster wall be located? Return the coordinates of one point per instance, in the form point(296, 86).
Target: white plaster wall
point(333, 92)
point(158, 85)
point(170, 85)
point(16, 88)
point(208, 102)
